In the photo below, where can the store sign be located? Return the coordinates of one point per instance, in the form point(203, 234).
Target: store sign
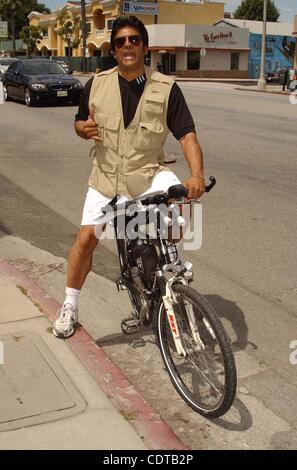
point(212, 37)
point(3, 29)
point(140, 8)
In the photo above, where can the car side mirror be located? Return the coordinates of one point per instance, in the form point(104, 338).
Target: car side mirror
point(70, 72)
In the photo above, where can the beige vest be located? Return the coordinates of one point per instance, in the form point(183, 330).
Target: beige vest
point(126, 160)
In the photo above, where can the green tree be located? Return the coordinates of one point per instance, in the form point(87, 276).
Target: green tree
point(31, 35)
point(9, 9)
point(69, 28)
point(253, 10)
point(27, 7)
point(16, 12)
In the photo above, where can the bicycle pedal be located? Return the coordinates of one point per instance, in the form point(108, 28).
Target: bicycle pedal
point(130, 326)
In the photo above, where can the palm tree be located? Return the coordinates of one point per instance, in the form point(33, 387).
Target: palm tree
point(9, 8)
point(69, 29)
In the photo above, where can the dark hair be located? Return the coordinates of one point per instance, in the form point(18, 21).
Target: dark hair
point(124, 21)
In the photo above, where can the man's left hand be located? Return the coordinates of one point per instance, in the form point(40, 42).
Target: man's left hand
point(195, 185)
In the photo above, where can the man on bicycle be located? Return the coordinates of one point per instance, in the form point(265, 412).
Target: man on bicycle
point(128, 112)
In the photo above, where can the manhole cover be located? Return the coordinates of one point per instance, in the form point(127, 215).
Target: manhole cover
point(34, 388)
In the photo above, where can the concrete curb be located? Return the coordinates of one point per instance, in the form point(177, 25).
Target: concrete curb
point(128, 401)
point(283, 93)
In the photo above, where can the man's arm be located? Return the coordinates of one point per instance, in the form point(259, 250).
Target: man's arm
point(193, 154)
point(85, 125)
point(181, 124)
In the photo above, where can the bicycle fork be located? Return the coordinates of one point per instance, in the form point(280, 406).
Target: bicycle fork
point(170, 301)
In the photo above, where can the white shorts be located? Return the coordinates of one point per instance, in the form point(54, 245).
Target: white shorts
point(95, 200)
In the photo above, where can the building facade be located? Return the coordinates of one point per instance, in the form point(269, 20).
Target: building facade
point(199, 50)
point(295, 36)
point(280, 44)
point(181, 37)
point(101, 13)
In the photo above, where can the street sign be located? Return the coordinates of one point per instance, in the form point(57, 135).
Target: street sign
point(202, 52)
point(140, 8)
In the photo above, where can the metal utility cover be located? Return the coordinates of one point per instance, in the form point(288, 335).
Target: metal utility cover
point(34, 388)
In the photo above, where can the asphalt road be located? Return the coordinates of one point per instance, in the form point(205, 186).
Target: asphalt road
point(246, 266)
point(250, 145)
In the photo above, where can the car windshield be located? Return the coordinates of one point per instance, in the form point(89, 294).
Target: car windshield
point(6, 61)
point(40, 68)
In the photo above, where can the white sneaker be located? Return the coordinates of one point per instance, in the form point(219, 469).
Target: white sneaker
point(64, 325)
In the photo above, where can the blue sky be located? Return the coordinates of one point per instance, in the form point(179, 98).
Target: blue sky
point(287, 8)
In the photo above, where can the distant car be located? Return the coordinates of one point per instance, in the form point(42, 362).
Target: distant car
point(5, 62)
point(40, 81)
point(277, 76)
point(65, 66)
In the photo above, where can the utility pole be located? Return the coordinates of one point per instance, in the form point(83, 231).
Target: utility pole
point(262, 81)
point(84, 33)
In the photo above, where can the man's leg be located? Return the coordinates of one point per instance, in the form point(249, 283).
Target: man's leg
point(80, 257)
point(80, 262)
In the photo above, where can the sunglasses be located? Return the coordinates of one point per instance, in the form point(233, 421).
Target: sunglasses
point(134, 39)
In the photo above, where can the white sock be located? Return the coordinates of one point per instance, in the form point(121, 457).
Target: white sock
point(72, 297)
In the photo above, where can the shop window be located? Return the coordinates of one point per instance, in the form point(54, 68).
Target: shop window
point(234, 60)
point(193, 60)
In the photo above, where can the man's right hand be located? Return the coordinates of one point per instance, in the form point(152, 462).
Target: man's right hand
point(87, 129)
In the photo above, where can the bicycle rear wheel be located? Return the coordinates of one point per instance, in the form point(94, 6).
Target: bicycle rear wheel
point(206, 377)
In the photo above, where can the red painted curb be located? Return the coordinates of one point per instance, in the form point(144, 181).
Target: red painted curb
point(156, 433)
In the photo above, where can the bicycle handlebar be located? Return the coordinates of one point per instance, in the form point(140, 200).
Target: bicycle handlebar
point(174, 192)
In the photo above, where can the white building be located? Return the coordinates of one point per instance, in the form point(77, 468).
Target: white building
point(199, 50)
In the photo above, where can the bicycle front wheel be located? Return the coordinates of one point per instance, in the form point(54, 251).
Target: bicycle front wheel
point(205, 376)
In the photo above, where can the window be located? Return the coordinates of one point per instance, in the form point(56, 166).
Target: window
point(109, 24)
point(68, 52)
point(234, 60)
point(45, 33)
point(13, 67)
point(193, 60)
point(88, 27)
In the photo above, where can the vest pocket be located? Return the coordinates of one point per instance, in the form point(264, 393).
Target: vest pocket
point(108, 132)
point(154, 103)
point(149, 136)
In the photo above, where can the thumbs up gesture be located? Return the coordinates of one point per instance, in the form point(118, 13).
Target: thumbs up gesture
point(88, 129)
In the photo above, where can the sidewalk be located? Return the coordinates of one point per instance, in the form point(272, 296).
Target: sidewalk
point(245, 84)
point(57, 394)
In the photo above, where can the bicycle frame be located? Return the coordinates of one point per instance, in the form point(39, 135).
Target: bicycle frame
point(168, 296)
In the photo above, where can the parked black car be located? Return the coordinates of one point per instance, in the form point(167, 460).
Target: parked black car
point(277, 76)
point(5, 62)
point(40, 80)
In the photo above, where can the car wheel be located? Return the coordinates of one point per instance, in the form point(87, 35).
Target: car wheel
point(5, 93)
point(29, 100)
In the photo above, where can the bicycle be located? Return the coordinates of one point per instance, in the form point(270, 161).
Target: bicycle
point(194, 345)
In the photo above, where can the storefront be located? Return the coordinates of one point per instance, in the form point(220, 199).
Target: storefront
point(280, 44)
point(199, 50)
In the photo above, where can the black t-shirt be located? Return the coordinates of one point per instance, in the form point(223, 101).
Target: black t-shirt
point(179, 118)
